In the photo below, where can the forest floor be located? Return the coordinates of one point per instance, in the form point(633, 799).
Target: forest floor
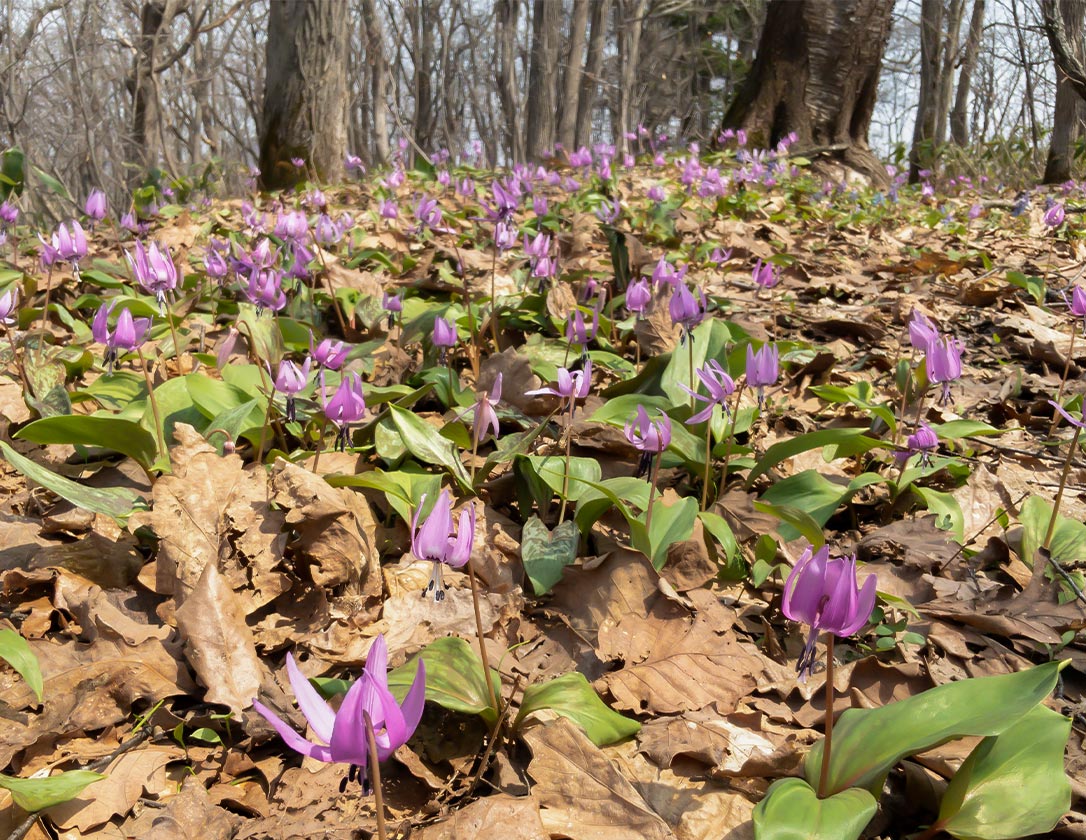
point(158, 609)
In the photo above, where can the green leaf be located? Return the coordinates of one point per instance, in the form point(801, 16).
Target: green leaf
point(13, 169)
point(403, 488)
point(620, 492)
point(868, 742)
point(670, 524)
point(800, 520)
point(115, 502)
point(948, 513)
point(51, 182)
point(552, 469)
point(815, 495)
point(855, 439)
point(454, 678)
point(15, 650)
point(791, 810)
point(957, 429)
point(1035, 286)
point(1012, 784)
point(37, 794)
point(1068, 539)
point(426, 443)
point(572, 697)
point(546, 554)
point(735, 567)
point(113, 433)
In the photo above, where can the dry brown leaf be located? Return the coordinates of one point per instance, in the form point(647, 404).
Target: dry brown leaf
point(192, 814)
point(583, 794)
point(132, 774)
point(499, 817)
point(219, 643)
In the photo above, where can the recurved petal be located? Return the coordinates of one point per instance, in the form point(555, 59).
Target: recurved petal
point(293, 740)
point(414, 701)
point(348, 742)
point(313, 706)
point(804, 587)
point(377, 660)
point(865, 603)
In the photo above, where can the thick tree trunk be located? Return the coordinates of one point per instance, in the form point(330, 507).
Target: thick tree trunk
point(922, 152)
point(543, 79)
point(946, 69)
point(423, 59)
point(571, 78)
point(305, 92)
point(816, 73)
point(586, 103)
point(629, 21)
point(506, 14)
point(959, 131)
point(146, 146)
point(1070, 108)
point(375, 56)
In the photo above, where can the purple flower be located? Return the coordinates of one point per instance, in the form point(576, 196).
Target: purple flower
point(326, 232)
point(944, 358)
point(292, 226)
point(343, 732)
point(922, 332)
point(922, 442)
point(9, 306)
point(638, 296)
point(577, 332)
point(505, 236)
point(127, 335)
point(718, 257)
point(763, 368)
point(69, 243)
point(823, 594)
point(571, 385)
point(96, 205)
point(215, 263)
point(485, 419)
point(465, 187)
point(719, 385)
point(291, 380)
point(298, 162)
point(1077, 303)
point(154, 270)
point(539, 205)
point(353, 163)
point(609, 211)
point(1054, 215)
point(9, 213)
point(428, 214)
point(1067, 416)
point(434, 541)
point(649, 436)
point(766, 275)
point(686, 310)
point(388, 209)
point(265, 290)
point(656, 193)
point(444, 336)
point(348, 405)
point(329, 354)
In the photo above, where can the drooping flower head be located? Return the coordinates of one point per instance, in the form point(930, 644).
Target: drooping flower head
point(126, 336)
point(763, 368)
point(265, 290)
point(9, 306)
point(434, 540)
point(650, 436)
point(69, 243)
point(444, 337)
point(342, 734)
point(347, 406)
point(391, 304)
point(719, 385)
point(944, 358)
point(765, 275)
point(154, 269)
point(485, 418)
point(638, 295)
point(1055, 215)
point(571, 385)
point(329, 354)
point(823, 594)
point(291, 380)
point(96, 206)
point(686, 310)
point(923, 442)
point(922, 331)
point(1077, 303)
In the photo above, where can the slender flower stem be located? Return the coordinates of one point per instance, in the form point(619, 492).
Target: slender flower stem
point(494, 299)
point(1063, 379)
point(176, 344)
point(690, 355)
point(1063, 484)
point(375, 778)
point(731, 437)
point(652, 492)
point(565, 475)
point(823, 779)
point(708, 460)
point(159, 431)
point(19, 363)
point(904, 398)
point(452, 387)
point(45, 313)
point(495, 699)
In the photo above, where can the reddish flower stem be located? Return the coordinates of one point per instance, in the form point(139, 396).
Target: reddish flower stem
point(375, 778)
point(825, 772)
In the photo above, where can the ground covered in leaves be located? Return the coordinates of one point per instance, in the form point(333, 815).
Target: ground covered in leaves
point(160, 597)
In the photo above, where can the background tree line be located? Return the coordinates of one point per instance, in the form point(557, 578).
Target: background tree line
point(99, 92)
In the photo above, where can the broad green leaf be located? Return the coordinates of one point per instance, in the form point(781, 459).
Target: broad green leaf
point(1034, 285)
point(13, 169)
point(552, 469)
point(815, 495)
point(37, 794)
point(861, 395)
point(868, 742)
point(670, 524)
point(1068, 539)
point(426, 443)
point(51, 182)
point(617, 410)
point(948, 513)
point(17, 653)
point(175, 405)
point(735, 567)
point(958, 429)
point(546, 554)
point(1013, 784)
point(508, 447)
point(856, 440)
point(404, 488)
point(800, 520)
point(454, 678)
point(620, 492)
point(791, 810)
point(572, 697)
point(113, 433)
point(116, 502)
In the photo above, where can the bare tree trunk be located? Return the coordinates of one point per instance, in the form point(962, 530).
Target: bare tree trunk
point(568, 104)
point(946, 69)
point(506, 13)
point(922, 152)
point(305, 92)
point(145, 144)
point(375, 55)
point(958, 130)
point(586, 102)
point(1028, 93)
point(629, 19)
point(1070, 109)
point(423, 59)
point(816, 73)
point(542, 79)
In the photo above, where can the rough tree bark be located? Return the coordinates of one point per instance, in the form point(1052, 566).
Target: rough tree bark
point(816, 73)
point(375, 55)
point(1070, 108)
point(922, 150)
point(586, 103)
point(951, 50)
point(506, 13)
point(959, 130)
point(629, 22)
point(542, 79)
point(145, 146)
point(571, 76)
point(305, 92)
